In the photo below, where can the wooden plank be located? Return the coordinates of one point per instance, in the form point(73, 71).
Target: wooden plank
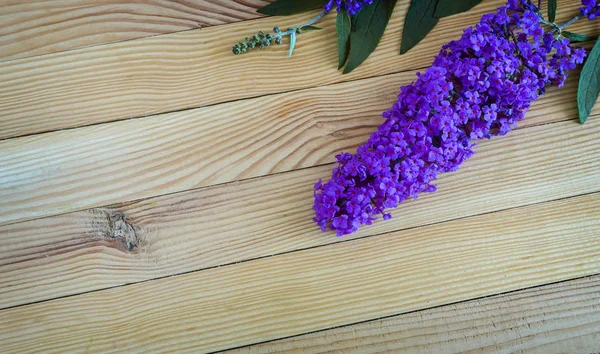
point(320, 288)
point(94, 166)
point(557, 318)
point(196, 68)
point(77, 252)
point(36, 27)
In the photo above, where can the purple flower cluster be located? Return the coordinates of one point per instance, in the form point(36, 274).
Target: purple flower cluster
point(590, 8)
point(352, 6)
point(477, 87)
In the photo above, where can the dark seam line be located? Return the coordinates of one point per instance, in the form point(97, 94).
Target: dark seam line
point(297, 250)
point(35, 56)
point(410, 312)
point(211, 105)
point(259, 17)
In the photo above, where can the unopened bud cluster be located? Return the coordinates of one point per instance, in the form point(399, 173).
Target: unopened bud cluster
point(261, 40)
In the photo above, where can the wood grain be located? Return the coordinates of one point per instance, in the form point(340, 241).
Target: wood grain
point(36, 27)
point(195, 68)
point(94, 166)
point(320, 288)
point(557, 318)
point(162, 236)
point(98, 165)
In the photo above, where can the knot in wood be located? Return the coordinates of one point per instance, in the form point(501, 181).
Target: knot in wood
point(122, 231)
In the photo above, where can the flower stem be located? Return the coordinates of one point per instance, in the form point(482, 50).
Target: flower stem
point(293, 29)
point(568, 23)
point(317, 18)
point(262, 40)
point(559, 27)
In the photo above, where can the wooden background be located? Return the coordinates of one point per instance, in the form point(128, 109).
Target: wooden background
point(156, 195)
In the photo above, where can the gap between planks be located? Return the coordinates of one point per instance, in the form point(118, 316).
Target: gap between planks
point(231, 223)
point(82, 168)
point(556, 318)
point(195, 68)
point(323, 287)
point(34, 28)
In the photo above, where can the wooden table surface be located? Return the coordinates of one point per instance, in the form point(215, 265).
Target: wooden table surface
point(156, 195)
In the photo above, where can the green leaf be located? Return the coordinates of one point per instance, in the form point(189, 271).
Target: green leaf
point(577, 37)
point(589, 84)
point(292, 43)
point(419, 21)
point(551, 10)
point(343, 27)
point(452, 7)
point(290, 7)
point(310, 28)
point(367, 28)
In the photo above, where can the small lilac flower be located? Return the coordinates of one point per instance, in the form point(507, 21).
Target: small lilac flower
point(352, 6)
point(590, 8)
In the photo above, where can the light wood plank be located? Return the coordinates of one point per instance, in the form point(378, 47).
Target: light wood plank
point(320, 288)
point(558, 318)
point(72, 253)
point(35, 27)
point(196, 68)
point(94, 166)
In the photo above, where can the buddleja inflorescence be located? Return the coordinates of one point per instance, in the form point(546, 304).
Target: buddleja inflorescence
point(478, 86)
point(259, 40)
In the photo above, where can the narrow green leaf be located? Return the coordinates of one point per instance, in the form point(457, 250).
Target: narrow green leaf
point(452, 7)
point(310, 28)
point(578, 37)
point(589, 84)
point(419, 21)
point(367, 28)
point(292, 43)
point(343, 27)
point(551, 10)
point(290, 7)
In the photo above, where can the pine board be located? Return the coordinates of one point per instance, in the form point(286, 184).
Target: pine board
point(557, 318)
point(187, 231)
point(188, 227)
point(37, 27)
point(196, 68)
point(320, 288)
point(94, 166)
